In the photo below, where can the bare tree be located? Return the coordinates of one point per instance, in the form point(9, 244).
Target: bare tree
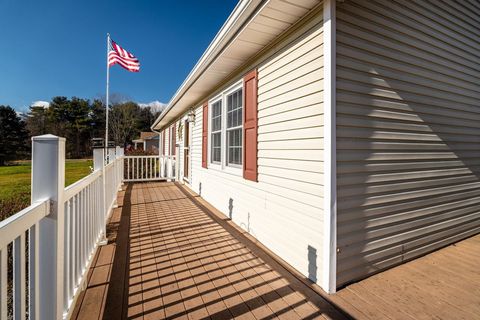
point(123, 122)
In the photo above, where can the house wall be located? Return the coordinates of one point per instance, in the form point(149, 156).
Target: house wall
point(408, 130)
point(283, 210)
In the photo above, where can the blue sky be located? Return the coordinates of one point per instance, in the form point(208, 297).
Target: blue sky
point(50, 48)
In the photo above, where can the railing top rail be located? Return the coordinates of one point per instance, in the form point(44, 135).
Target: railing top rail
point(76, 187)
point(13, 226)
point(149, 156)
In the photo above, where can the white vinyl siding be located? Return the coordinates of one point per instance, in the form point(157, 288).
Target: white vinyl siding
point(408, 130)
point(288, 198)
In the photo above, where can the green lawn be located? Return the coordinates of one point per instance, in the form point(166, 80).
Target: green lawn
point(15, 183)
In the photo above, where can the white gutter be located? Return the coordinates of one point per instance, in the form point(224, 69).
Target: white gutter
point(227, 33)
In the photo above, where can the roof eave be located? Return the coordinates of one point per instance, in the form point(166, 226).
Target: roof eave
point(228, 31)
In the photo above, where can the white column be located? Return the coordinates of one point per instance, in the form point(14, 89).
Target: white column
point(111, 154)
point(48, 182)
point(98, 158)
point(119, 151)
point(329, 277)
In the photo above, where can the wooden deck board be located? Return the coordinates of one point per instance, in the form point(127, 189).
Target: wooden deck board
point(441, 285)
point(168, 257)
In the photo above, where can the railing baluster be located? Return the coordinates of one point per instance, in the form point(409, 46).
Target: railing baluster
point(67, 247)
point(81, 213)
point(128, 168)
point(73, 253)
point(19, 310)
point(3, 283)
point(150, 168)
point(155, 168)
point(33, 297)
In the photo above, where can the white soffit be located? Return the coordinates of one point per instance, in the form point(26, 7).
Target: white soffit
point(250, 28)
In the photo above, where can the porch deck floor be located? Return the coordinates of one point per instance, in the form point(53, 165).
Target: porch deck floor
point(444, 284)
point(169, 257)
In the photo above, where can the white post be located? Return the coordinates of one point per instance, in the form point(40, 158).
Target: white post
point(111, 155)
point(329, 281)
point(48, 182)
point(98, 158)
point(120, 153)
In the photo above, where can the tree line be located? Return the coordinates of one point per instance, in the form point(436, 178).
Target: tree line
point(78, 120)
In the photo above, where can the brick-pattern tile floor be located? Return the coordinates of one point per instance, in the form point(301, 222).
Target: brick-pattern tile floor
point(177, 262)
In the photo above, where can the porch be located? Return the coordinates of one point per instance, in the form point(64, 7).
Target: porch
point(170, 256)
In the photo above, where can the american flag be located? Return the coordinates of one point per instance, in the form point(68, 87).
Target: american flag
point(118, 55)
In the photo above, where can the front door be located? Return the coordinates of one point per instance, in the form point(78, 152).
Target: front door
point(186, 152)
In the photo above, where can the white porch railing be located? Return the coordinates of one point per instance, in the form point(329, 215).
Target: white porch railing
point(150, 168)
point(53, 241)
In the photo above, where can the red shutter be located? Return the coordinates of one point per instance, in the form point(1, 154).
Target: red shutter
point(163, 144)
point(205, 135)
point(250, 124)
point(174, 139)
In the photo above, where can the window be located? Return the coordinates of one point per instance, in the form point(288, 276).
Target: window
point(226, 128)
point(234, 128)
point(216, 136)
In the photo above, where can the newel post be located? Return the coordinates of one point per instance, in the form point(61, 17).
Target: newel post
point(98, 158)
point(120, 153)
point(99, 164)
point(48, 182)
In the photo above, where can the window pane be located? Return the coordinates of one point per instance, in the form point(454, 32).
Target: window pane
point(234, 146)
point(216, 147)
point(234, 109)
point(217, 116)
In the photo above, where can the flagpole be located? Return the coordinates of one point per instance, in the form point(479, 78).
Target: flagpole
point(104, 239)
point(107, 95)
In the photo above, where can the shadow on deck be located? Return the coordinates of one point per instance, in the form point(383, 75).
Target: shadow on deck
point(170, 257)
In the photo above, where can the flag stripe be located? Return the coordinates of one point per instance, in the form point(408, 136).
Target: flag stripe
point(120, 56)
point(121, 63)
point(112, 56)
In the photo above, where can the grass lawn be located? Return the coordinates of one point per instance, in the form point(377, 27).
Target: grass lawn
point(15, 183)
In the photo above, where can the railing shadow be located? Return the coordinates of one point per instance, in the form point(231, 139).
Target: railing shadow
point(116, 301)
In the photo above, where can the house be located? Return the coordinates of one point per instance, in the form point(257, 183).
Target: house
point(343, 135)
point(148, 141)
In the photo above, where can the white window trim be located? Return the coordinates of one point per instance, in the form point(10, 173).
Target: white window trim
point(222, 166)
point(211, 164)
point(170, 139)
point(227, 93)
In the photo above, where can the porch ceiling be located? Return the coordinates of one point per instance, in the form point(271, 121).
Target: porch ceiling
point(251, 27)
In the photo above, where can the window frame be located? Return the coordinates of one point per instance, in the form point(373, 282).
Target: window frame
point(170, 139)
point(228, 93)
point(236, 169)
point(211, 132)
